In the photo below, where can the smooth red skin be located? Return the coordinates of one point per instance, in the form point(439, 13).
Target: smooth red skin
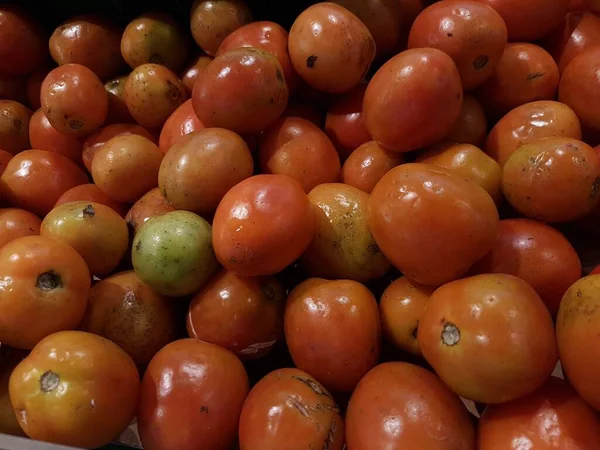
point(270, 420)
point(117, 108)
point(34, 86)
point(14, 126)
point(553, 417)
point(5, 157)
point(91, 193)
point(43, 136)
point(182, 122)
point(16, 223)
point(526, 73)
point(580, 87)
point(276, 230)
point(413, 100)
point(149, 205)
point(13, 87)
point(267, 36)
point(23, 45)
point(531, 20)
point(344, 123)
point(191, 397)
point(536, 253)
point(399, 405)
point(191, 72)
point(35, 179)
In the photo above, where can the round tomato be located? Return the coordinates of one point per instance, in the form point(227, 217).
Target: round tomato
point(151, 204)
point(192, 71)
point(16, 223)
point(182, 122)
point(91, 193)
point(471, 127)
point(117, 108)
point(43, 136)
point(23, 46)
point(14, 125)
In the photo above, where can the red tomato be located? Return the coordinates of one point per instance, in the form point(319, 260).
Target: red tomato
point(183, 121)
point(23, 46)
point(16, 223)
point(91, 193)
point(43, 136)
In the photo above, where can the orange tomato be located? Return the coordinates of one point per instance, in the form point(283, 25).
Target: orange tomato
point(43, 136)
point(182, 122)
point(16, 223)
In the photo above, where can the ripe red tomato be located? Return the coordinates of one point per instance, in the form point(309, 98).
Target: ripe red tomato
point(151, 204)
point(14, 125)
point(91, 193)
point(182, 122)
point(23, 46)
point(16, 223)
point(43, 136)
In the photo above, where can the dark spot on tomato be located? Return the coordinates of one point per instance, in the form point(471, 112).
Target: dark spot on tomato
point(316, 387)
point(48, 281)
point(480, 62)
point(279, 75)
point(75, 124)
point(535, 75)
point(595, 188)
point(49, 381)
point(18, 124)
point(88, 211)
point(579, 293)
point(450, 35)
point(268, 291)
point(310, 61)
point(204, 409)
point(155, 58)
point(450, 334)
point(330, 435)
point(415, 331)
point(138, 246)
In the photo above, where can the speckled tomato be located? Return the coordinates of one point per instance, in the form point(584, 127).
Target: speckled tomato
point(91, 193)
point(192, 71)
point(471, 127)
point(306, 414)
point(14, 125)
point(16, 223)
point(117, 108)
point(400, 405)
point(75, 389)
point(200, 404)
point(23, 45)
point(182, 122)
point(43, 136)
point(490, 337)
point(149, 205)
point(413, 100)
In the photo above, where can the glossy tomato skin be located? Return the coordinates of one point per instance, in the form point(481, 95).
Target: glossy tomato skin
point(528, 123)
point(330, 48)
point(400, 405)
point(151, 204)
point(192, 71)
point(241, 314)
point(117, 108)
point(14, 126)
point(553, 179)
point(471, 127)
point(489, 337)
point(24, 46)
point(91, 193)
point(304, 411)
point(99, 384)
point(182, 122)
point(43, 136)
point(16, 223)
point(409, 200)
point(47, 286)
point(200, 406)
point(35, 179)
point(74, 100)
point(243, 90)
point(332, 331)
point(262, 225)
point(536, 253)
point(413, 100)
point(473, 34)
point(526, 420)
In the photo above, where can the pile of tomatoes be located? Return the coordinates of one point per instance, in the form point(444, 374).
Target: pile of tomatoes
point(336, 235)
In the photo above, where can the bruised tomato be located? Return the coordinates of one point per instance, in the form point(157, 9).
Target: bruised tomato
point(305, 412)
point(528, 123)
point(262, 225)
point(552, 417)
point(182, 122)
point(400, 405)
point(23, 46)
point(332, 331)
point(414, 100)
point(458, 207)
point(554, 179)
point(35, 179)
point(43, 136)
point(241, 314)
point(16, 223)
point(192, 71)
point(126, 311)
point(14, 125)
point(47, 283)
point(75, 389)
point(191, 397)
point(91, 193)
point(149, 205)
point(117, 108)
point(536, 253)
point(490, 337)
point(471, 127)
point(243, 90)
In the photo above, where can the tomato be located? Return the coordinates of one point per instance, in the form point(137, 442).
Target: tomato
point(35, 179)
point(75, 388)
point(152, 93)
point(241, 314)
point(126, 167)
point(330, 48)
point(91, 193)
point(536, 253)
point(529, 123)
point(267, 36)
point(554, 179)
point(14, 125)
point(345, 124)
point(183, 121)
point(192, 71)
point(191, 397)
point(552, 417)
point(531, 20)
point(89, 40)
point(332, 331)
point(212, 21)
point(23, 45)
point(400, 405)
point(526, 73)
point(149, 205)
point(243, 90)
point(13, 87)
point(262, 225)
point(580, 87)
point(5, 157)
point(9, 358)
point(126, 311)
point(46, 290)
point(198, 171)
point(490, 337)
point(43, 136)
point(471, 126)
point(117, 108)
point(296, 147)
point(16, 223)
point(342, 246)
point(34, 86)
point(305, 413)
point(458, 207)
point(413, 100)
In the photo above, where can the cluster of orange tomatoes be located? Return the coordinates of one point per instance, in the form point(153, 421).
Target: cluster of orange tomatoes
point(333, 236)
